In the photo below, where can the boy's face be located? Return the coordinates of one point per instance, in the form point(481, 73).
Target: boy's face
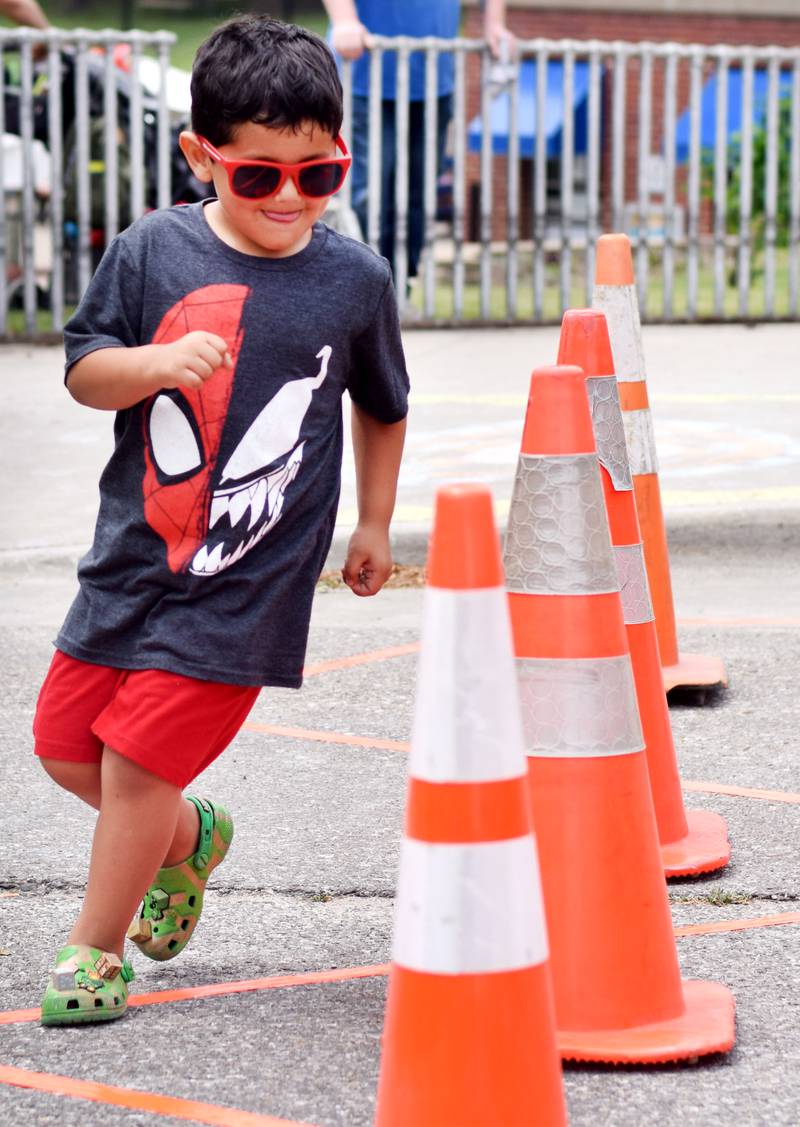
point(275, 226)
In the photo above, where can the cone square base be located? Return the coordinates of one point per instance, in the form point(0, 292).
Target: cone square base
point(703, 850)
point(706, 1026)
point(695, 671)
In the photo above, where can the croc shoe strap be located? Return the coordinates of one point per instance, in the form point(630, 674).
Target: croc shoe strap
point(206, 814)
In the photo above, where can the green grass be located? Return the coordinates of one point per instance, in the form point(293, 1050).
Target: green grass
point(191, 27)
point(578, 297)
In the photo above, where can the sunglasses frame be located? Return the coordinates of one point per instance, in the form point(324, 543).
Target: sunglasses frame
point(286, 171)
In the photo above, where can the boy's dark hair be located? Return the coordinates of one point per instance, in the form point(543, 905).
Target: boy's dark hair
point(254, 68)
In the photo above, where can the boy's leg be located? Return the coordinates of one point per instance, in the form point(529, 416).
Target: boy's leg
point(84, 781)
point(125, 856)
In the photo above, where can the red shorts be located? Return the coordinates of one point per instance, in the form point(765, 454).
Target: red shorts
point(173, 726)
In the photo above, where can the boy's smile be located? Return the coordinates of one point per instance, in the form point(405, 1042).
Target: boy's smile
point(274, 226)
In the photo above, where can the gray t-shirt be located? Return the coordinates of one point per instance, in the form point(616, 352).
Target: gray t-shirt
point(217, 506)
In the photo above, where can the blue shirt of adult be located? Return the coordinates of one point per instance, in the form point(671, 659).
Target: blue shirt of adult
point(408, 17)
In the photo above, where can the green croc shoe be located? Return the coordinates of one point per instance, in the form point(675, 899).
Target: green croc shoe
point(87, 984)
point(174, 901)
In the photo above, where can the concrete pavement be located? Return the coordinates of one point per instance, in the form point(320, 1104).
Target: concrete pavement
point(317, 778)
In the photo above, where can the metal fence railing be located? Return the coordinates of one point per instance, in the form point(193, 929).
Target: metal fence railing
point(85, 149)
point(694, 151)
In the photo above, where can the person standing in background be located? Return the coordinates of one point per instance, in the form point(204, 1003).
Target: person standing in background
point(352, 23)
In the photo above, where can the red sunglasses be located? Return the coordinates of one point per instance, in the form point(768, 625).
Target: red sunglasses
point(256, 179)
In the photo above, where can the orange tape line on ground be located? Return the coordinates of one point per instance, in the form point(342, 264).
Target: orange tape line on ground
point(738, 925)
point(193, 1110)
point(345, 740)
point(219, 989)
point(347, 974)
point(764, 621)
point(740, 792)
point(325, 737)
point(413, 647)
point(360, 659)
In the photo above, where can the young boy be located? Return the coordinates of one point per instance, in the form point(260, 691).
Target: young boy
point(224, 335)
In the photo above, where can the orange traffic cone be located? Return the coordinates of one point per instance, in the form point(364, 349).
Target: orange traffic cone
point(469, 1037)
point(694, 841)
point(615, 295)
point(618, 991)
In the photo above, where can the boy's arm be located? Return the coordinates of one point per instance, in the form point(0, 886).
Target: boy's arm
point(112, 379)
point(377, 450)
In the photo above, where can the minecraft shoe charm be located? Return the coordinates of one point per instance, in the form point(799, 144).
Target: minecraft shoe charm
point(87, 984)
point(174, 901)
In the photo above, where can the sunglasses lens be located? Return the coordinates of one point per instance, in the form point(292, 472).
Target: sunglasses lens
point(321, 179)
point(253, 181)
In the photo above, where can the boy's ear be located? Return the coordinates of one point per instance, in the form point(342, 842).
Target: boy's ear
point(197, 158)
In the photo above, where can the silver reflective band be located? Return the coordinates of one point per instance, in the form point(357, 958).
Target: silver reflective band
point(469, 909)
point(558, 541)
point(609, 431)
point(633, 586)
point(641, 441)
point(467, 726)
point(579, 707)
point(621, 307)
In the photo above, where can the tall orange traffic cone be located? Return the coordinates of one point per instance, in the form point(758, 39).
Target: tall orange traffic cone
point(469, 1034)
point(618, 991)
point(694, 841)
point(615, 295)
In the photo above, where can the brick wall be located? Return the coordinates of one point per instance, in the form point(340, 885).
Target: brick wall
point(633, 27)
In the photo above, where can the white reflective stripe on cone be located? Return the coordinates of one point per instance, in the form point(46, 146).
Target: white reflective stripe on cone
point(641, 441)
point(469, 909)
point(558, 541)
point(609, 430)
point(467, 724)
point(634, 589)
point(621, 307)
point(579, 707)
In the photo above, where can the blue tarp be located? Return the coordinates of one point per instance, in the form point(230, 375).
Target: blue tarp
point(553, 113)
point(708, 108)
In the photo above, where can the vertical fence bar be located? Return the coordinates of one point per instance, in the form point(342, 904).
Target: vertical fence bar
point(512, 199)
point(643, 173)
point(720, 183)
point(80, 162)
point(746, 185)
point(374, 159)
point(346, 74)
point(3, 202)
point(459, 183)
point(794, 195)
point(593, 172)
point(110, 145)
point(164, 174)
point(56, 147)
point(670, 218)
point(401, 176)
point(137, 129)
point(486, 186)
point(618, 139)
point(567, 178)
point(771, 185)
point(693, 196)
point(28, 185)
point(431, 178)
point(540, 185)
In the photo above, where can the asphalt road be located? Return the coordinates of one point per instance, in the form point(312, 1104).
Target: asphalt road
point(316, 782)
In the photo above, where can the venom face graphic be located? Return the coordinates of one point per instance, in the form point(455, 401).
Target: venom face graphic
point(207, 531)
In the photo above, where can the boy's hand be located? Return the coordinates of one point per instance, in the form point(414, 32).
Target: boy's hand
point(189, 361)
point(369, 560)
